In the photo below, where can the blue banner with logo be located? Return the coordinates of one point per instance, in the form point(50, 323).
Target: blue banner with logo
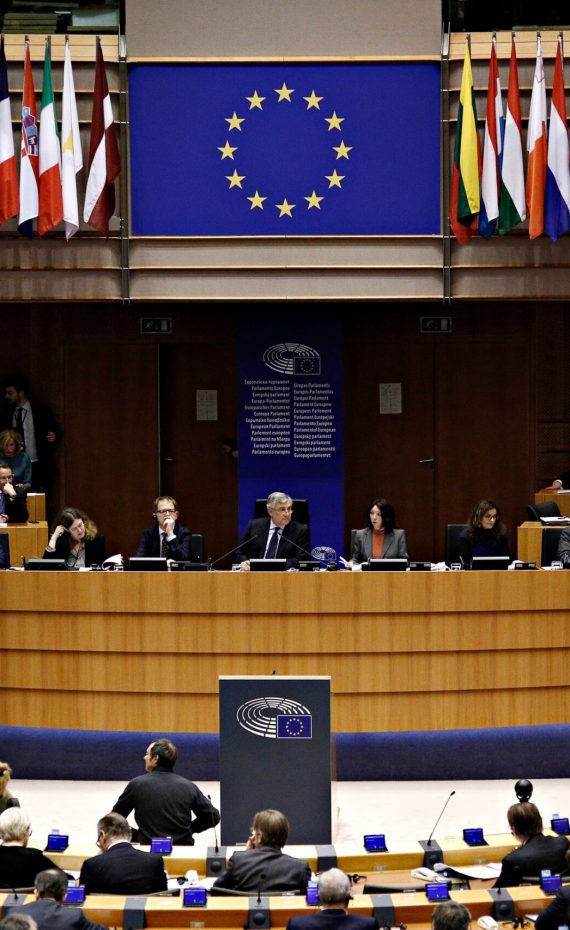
point(285, 149)
point(291, 435)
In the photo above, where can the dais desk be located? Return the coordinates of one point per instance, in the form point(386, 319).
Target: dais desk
point(27, 540)
point(561, 499)
point(143, 651)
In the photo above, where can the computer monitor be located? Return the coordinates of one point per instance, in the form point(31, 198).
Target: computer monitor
point(146, 564)
point(189, 567)
point(267, 565)
point(385, 565)
point(46, 565)
point(490, 562)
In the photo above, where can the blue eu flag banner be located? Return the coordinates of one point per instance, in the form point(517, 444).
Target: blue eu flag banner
point(298, 726)
point(285, 149)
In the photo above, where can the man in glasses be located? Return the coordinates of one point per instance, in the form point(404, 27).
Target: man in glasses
point(166, 539)
point(121, 869)
point(276, 536)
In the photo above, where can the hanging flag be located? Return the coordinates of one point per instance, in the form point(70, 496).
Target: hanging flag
point(51, 202)
point(512, 205)
point(9, 200)
point(104, 158)
point(557, 196)
point(71, 157)
point(536, 148)
point(465, 198)
point(30, 151)
point(492, 147)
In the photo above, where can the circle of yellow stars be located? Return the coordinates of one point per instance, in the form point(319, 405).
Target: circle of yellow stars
point(284, 95)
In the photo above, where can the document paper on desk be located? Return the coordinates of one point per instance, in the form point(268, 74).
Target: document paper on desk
point(471, 871)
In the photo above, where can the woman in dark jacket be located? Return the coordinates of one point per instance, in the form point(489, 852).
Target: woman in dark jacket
point(75, 539)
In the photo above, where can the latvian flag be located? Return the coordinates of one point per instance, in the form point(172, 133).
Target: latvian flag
point(104, 158)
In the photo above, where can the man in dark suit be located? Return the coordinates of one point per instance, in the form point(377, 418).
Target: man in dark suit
point(536, 852)
point(49, 911)
point(564, 547)
point(166, 538)
point(334, 897)
point(450, 915)
point(121, 869)
point(12, 502)
point(164, 802)
point(276, 536)
point(263, 866)
point(38, 427)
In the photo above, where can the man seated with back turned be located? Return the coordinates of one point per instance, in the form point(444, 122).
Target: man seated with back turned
point(263, 866)
point(276, 536)
point(334, 897)
point(164, 802)
point(536, 852)
point(557, 913)
point(450, 915)
point(121, 869)
point(49, 911)
point(12, 502)
point(167, 538)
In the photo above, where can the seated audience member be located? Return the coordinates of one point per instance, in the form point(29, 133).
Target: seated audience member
point(564, 547)
point(49, 911)
point(18, 922)
point(164, 802)
point(6, 797)
point(12, 500)
point(19, 863)
point(536, 852)
point(167, 538)
point(262, 865)
point(557, 913)
point(485, 534)
point(380, 539)
point(12, 454)
point(121, 869)
point(75, 538)
point(450, 915)
point(334, 898)
point(276, 536)
point(560, 484)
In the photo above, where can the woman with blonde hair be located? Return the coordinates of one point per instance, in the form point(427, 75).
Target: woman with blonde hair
point(7, 799)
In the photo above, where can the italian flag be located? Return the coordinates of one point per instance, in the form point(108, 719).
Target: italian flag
point(51, 202)
point(512, 206)
point(9, 198)
point(465, 196)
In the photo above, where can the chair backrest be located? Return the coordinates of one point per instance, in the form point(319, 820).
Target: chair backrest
point(4, 550)
point(300, 510)
point(352, 538)
point(452, 549)
point(547, 509)
point(550, 543)
point(197, 548)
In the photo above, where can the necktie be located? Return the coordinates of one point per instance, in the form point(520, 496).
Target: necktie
point(163, 546)
point(20, 424)
point(273, 543)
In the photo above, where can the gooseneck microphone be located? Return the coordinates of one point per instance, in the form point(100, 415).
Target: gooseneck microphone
point(216, 847)
point(231, 551)
point(439, 818)
point(262, 878)
point(297, 546)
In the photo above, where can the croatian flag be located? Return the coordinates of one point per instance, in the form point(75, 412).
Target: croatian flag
point(30, 153)
point(492, 148)
point(557, 198)
point(536, 147)
point(9, 201)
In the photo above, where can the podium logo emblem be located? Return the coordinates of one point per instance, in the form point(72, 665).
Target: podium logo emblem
point(276, 718)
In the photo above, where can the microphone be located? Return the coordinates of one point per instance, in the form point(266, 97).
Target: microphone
point(439, 818)
point(216, 847)
point(231, 551)
point(216, 856)
point(297, 546)
point(262, 878)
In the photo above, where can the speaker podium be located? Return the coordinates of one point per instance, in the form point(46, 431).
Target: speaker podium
point(275, 752)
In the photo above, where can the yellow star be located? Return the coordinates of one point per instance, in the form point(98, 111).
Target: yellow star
point(313, 101)
point(284, 93)
point(285, 208)
point(255, 101)
point(334, 121)
point(342, 150)
point(227, 150)
point(314, 201)
point(335, 179)
point(235, 179)
point(257, 201)
point(235, 121)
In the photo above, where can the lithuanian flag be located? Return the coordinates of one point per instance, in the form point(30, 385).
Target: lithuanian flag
point(465, 195)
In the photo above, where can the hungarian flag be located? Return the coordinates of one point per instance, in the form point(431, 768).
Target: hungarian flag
point(512, 205)
point(9, 200)
point(465, 199)
point(557, 197)
point(536, 147)
point(104, 158)
point(71, 157)
point(51, 202)
point(492, 147)
point(30, 152)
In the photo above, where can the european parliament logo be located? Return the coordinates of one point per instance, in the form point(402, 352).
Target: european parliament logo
point(292, 358)
point(276, 718)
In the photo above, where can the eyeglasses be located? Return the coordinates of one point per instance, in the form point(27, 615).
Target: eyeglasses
point(166, 511)
point(491, 516)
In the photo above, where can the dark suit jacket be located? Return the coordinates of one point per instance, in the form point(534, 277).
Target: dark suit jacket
point(264, 868)
point(49, 915)
point(332, 918)
point(15, 508)
point(254, 548)
point(19, 865)
point(123, 870)
point(539, 852)
point(44, 423)
point(179, 549)
point(557, 913)
point(95, 550)
point(564, 546)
